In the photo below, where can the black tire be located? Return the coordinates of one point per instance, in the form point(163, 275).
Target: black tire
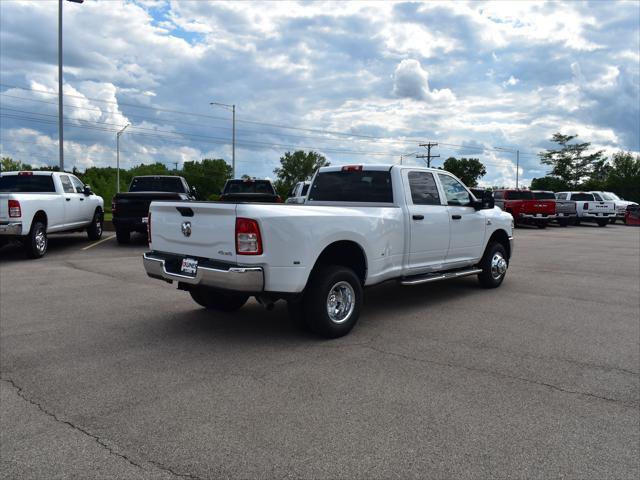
point(123, 236)
point(332, 284)
point(563, 223)
point(542, 224)
point(493, 275)
point(94, 230)
point(212, 299)
point(613, 220)
point(603, 223)
point(36, 242)
point(577, 222)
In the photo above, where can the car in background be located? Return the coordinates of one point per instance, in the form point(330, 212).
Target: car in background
point(35, 204)
point(621, 205)
point(249, 190)
point(298, 193)
point(566, 213)
point(632, 214)
point(589, 209)
point(131, 209)
point(524, 208)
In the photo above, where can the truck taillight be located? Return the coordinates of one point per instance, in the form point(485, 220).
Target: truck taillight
point(14, 208)
point(586, 206)
point(149, 228)
point(278, 199)
point(248, 239)
point(352, 168)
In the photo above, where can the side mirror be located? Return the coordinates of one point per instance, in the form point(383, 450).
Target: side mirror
point(193, 191)
point(488, 201)
point(87, 190)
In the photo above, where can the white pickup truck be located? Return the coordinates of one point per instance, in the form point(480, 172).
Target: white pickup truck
point(34, 204)
point(589, 209)
point(361, 225)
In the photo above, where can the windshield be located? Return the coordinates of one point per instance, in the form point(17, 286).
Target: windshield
point(609, 196)
point(544, 195)
point(352, 186)
point(249, 186)
point(157, 184)
point(27, 184)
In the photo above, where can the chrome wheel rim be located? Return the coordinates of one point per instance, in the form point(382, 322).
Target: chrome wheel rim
point(41, 240)
point(340, 302)
point(98, 226)
point(498, 266)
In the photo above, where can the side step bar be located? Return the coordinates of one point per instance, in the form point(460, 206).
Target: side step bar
point(434, 277)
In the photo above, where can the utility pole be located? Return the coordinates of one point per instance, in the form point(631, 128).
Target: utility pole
point(60, 129)
point(233, 137)
point(120, 132)
point(176, 164)
point(428, 156)
point(517, 166)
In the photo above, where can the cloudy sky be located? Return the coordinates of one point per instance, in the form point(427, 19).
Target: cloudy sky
point(359, 82)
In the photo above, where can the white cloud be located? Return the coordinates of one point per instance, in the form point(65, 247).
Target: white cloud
point(412, 81)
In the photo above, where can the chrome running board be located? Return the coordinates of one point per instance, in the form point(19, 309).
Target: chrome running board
point(434, 277)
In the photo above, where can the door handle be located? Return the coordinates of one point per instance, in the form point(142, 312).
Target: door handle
point(68, 199)
point(418, 217)
point(456, 217)
point(82, 199)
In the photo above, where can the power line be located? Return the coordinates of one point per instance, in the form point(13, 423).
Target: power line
point(407, 140)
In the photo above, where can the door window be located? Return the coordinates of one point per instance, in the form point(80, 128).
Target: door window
point(455, 192)
point(423, 188)
point(77, 184)
point(66, 184)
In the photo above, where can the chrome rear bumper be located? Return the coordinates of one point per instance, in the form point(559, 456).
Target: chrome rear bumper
point(233, 278)
point(10, 228)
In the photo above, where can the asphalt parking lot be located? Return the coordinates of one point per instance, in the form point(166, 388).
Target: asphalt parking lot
point(109, 374)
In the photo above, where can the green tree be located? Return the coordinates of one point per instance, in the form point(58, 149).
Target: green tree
point(555, 184)
point(571, 162)
point(207, 176)
point(624, 176)
point(469, 170)
point(8, 164)
point(297, 167)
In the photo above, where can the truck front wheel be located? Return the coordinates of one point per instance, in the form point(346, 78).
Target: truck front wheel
point(332, 301)
point(215, 300)
point(494, 266)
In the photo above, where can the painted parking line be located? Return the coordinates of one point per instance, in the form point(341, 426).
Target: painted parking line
point(98, 242)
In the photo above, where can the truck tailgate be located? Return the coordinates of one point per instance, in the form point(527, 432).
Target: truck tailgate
point(601, 207)
point(195, 229)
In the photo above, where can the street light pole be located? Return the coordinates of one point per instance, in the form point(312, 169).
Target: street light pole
point(233, 134)
point(60, 133)
point(60, 129)
point(517, 152)
point(118, 157)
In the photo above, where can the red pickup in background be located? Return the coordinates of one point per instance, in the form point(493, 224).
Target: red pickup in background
point(524, 208)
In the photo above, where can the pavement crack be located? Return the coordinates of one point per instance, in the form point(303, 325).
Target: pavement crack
point(503, 375)
point(20, 392)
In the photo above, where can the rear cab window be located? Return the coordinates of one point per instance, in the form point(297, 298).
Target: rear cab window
point(352, 185)
point(544, 196)
point(157, 184)
point(582, 197)
point(520, 195)
point(27, 184)
point(249, 186)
